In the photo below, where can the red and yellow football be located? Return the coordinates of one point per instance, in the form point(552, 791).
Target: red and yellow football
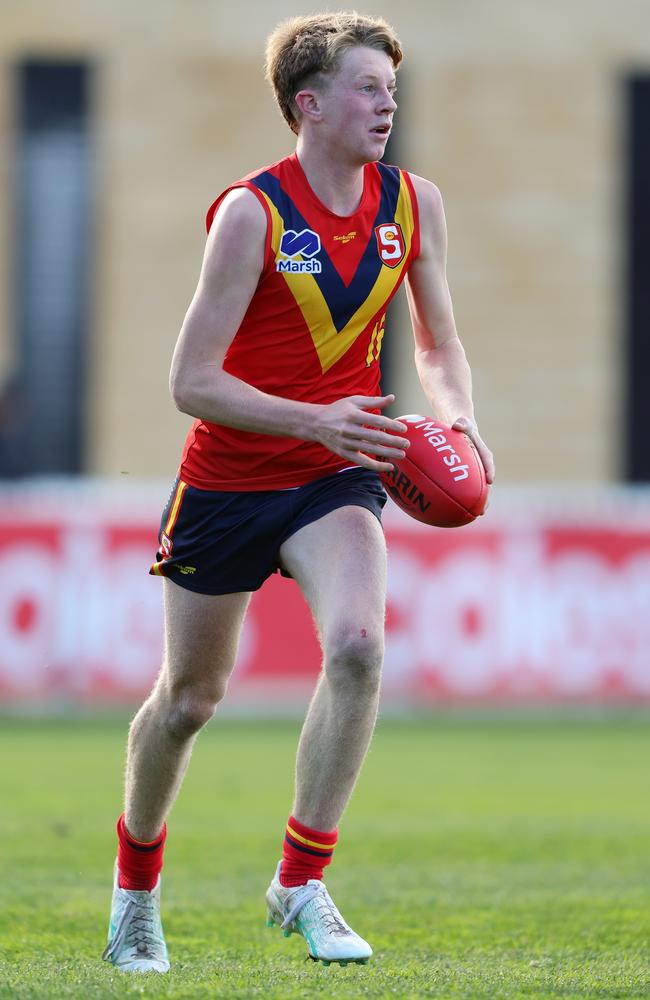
point(441, 481)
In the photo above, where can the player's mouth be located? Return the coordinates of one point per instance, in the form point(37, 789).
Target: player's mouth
point(383, 130)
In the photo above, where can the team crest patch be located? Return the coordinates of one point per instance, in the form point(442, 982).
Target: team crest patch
point(390, 243)
point(307, 244)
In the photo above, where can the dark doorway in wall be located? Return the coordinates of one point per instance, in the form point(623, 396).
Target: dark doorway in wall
point(637, 398)
point(44, 432)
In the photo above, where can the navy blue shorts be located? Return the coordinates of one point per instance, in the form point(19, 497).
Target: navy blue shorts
point(218, 542)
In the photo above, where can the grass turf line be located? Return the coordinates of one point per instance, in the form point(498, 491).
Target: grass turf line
point(502, 859)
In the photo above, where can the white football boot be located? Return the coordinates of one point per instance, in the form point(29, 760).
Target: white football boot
point(309, 910)
point(136, 942)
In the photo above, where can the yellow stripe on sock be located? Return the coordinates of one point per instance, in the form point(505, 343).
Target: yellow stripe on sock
point(309, 843)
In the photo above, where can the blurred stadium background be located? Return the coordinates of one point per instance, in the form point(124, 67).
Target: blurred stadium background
point(119, 124)
point(521, 643)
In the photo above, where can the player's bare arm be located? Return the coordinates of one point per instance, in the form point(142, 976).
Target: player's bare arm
point(439, 355)
point(232, 266)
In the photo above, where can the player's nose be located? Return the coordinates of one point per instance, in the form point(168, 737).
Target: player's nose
point(388, 102)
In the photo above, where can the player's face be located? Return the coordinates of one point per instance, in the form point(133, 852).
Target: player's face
point(359, 104)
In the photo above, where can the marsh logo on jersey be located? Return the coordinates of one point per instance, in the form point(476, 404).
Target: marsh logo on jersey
point(306, 243)
point(390, 243)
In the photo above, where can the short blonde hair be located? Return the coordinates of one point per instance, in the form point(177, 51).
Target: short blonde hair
point(302, 49)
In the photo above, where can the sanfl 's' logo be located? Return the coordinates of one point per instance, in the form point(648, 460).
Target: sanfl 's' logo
point(306, 243)
point(390, 243)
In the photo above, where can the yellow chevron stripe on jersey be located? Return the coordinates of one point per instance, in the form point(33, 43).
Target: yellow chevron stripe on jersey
point(331, 344)
point(277, 225)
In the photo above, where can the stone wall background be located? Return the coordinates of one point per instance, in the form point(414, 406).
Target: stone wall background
point(515, 109)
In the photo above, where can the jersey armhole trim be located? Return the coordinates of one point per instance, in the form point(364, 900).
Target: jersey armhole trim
point(212, 211)
point(415, 243)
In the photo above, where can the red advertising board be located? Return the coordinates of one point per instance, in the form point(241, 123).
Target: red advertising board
point(530, 604)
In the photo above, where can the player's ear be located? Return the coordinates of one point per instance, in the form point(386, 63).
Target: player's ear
point(308, 103)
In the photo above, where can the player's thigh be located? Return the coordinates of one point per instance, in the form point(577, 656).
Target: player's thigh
point(339, 562)
point(201, 638)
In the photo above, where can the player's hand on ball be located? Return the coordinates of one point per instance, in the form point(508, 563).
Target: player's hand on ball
point(468, 427)
point(349, 430)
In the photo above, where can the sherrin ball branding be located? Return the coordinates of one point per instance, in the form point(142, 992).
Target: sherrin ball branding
point(441, 480)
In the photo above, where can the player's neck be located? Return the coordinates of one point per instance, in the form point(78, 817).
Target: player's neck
point(337, 184)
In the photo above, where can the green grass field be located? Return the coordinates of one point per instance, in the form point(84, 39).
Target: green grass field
point(483, 858)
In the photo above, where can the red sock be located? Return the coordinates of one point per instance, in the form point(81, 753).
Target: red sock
point(138, 864)
point(305, 852)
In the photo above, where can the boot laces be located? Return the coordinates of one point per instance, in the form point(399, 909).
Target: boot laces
point(134, 929)
point(323, 903)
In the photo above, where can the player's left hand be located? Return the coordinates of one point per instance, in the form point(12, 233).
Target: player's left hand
point(468, 427)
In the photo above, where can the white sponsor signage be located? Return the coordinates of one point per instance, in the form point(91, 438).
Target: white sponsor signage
point(548, 609)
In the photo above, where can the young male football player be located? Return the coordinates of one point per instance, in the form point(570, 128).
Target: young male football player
point(278, 361)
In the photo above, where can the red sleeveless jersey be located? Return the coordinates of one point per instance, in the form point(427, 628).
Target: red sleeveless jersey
point(314, 327)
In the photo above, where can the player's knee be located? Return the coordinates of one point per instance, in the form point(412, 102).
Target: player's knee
point(354, 656)
point(188, 712)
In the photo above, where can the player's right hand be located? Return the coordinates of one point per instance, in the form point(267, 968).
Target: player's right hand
point(348, 429)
